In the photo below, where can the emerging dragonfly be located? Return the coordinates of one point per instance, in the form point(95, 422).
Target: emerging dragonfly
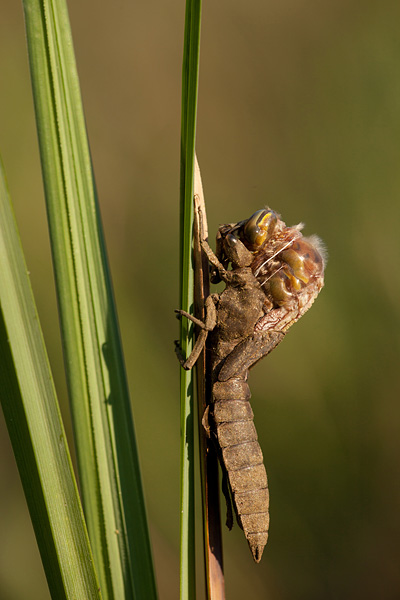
point(274, 277)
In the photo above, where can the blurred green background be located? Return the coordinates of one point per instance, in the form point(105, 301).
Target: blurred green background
point(299, 108)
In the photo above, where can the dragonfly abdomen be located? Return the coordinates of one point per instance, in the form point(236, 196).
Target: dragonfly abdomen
point(242, 458)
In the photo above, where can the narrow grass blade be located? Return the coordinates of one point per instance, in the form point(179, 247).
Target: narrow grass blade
point(191, 54)
point(34, 423)
point(103, 427)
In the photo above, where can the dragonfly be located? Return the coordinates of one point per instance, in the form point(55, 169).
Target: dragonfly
point(272, 275)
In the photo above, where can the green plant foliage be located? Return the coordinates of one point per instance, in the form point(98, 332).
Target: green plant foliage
point(190, 71)
point(105, 441)
point(34, 423)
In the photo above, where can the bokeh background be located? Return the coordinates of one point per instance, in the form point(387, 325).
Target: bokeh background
point(299, 108)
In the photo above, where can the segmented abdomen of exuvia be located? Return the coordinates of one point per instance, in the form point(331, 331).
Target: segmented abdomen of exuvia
point(242, 457)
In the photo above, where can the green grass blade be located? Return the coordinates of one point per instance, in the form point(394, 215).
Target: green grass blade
point(103, 427)
point(191, 55)
point(33, 419)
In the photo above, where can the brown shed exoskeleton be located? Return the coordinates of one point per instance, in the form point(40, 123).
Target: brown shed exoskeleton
point(275, 275)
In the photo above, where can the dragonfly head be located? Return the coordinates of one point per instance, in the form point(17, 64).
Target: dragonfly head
point(258, 229)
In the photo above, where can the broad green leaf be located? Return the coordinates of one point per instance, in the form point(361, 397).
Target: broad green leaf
point(34, 423)
point(103, 427)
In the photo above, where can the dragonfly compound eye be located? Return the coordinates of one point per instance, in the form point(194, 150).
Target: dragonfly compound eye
point(306, 258)
point(301, 265)
point(279, 287)
point(259, 228)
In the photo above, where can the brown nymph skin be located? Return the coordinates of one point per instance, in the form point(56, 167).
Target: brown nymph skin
point(234, 344)
point(275, 275)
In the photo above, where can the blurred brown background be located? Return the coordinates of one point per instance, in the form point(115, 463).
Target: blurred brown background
point(299, 108)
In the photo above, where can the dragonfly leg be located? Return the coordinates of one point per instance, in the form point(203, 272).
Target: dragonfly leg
point(183, 313)
point(228, 500)
point(213, 259)
point(248, 352)
point(208, 325)
point(205, 421)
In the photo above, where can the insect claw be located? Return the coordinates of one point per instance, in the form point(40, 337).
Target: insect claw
point(179, 354)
